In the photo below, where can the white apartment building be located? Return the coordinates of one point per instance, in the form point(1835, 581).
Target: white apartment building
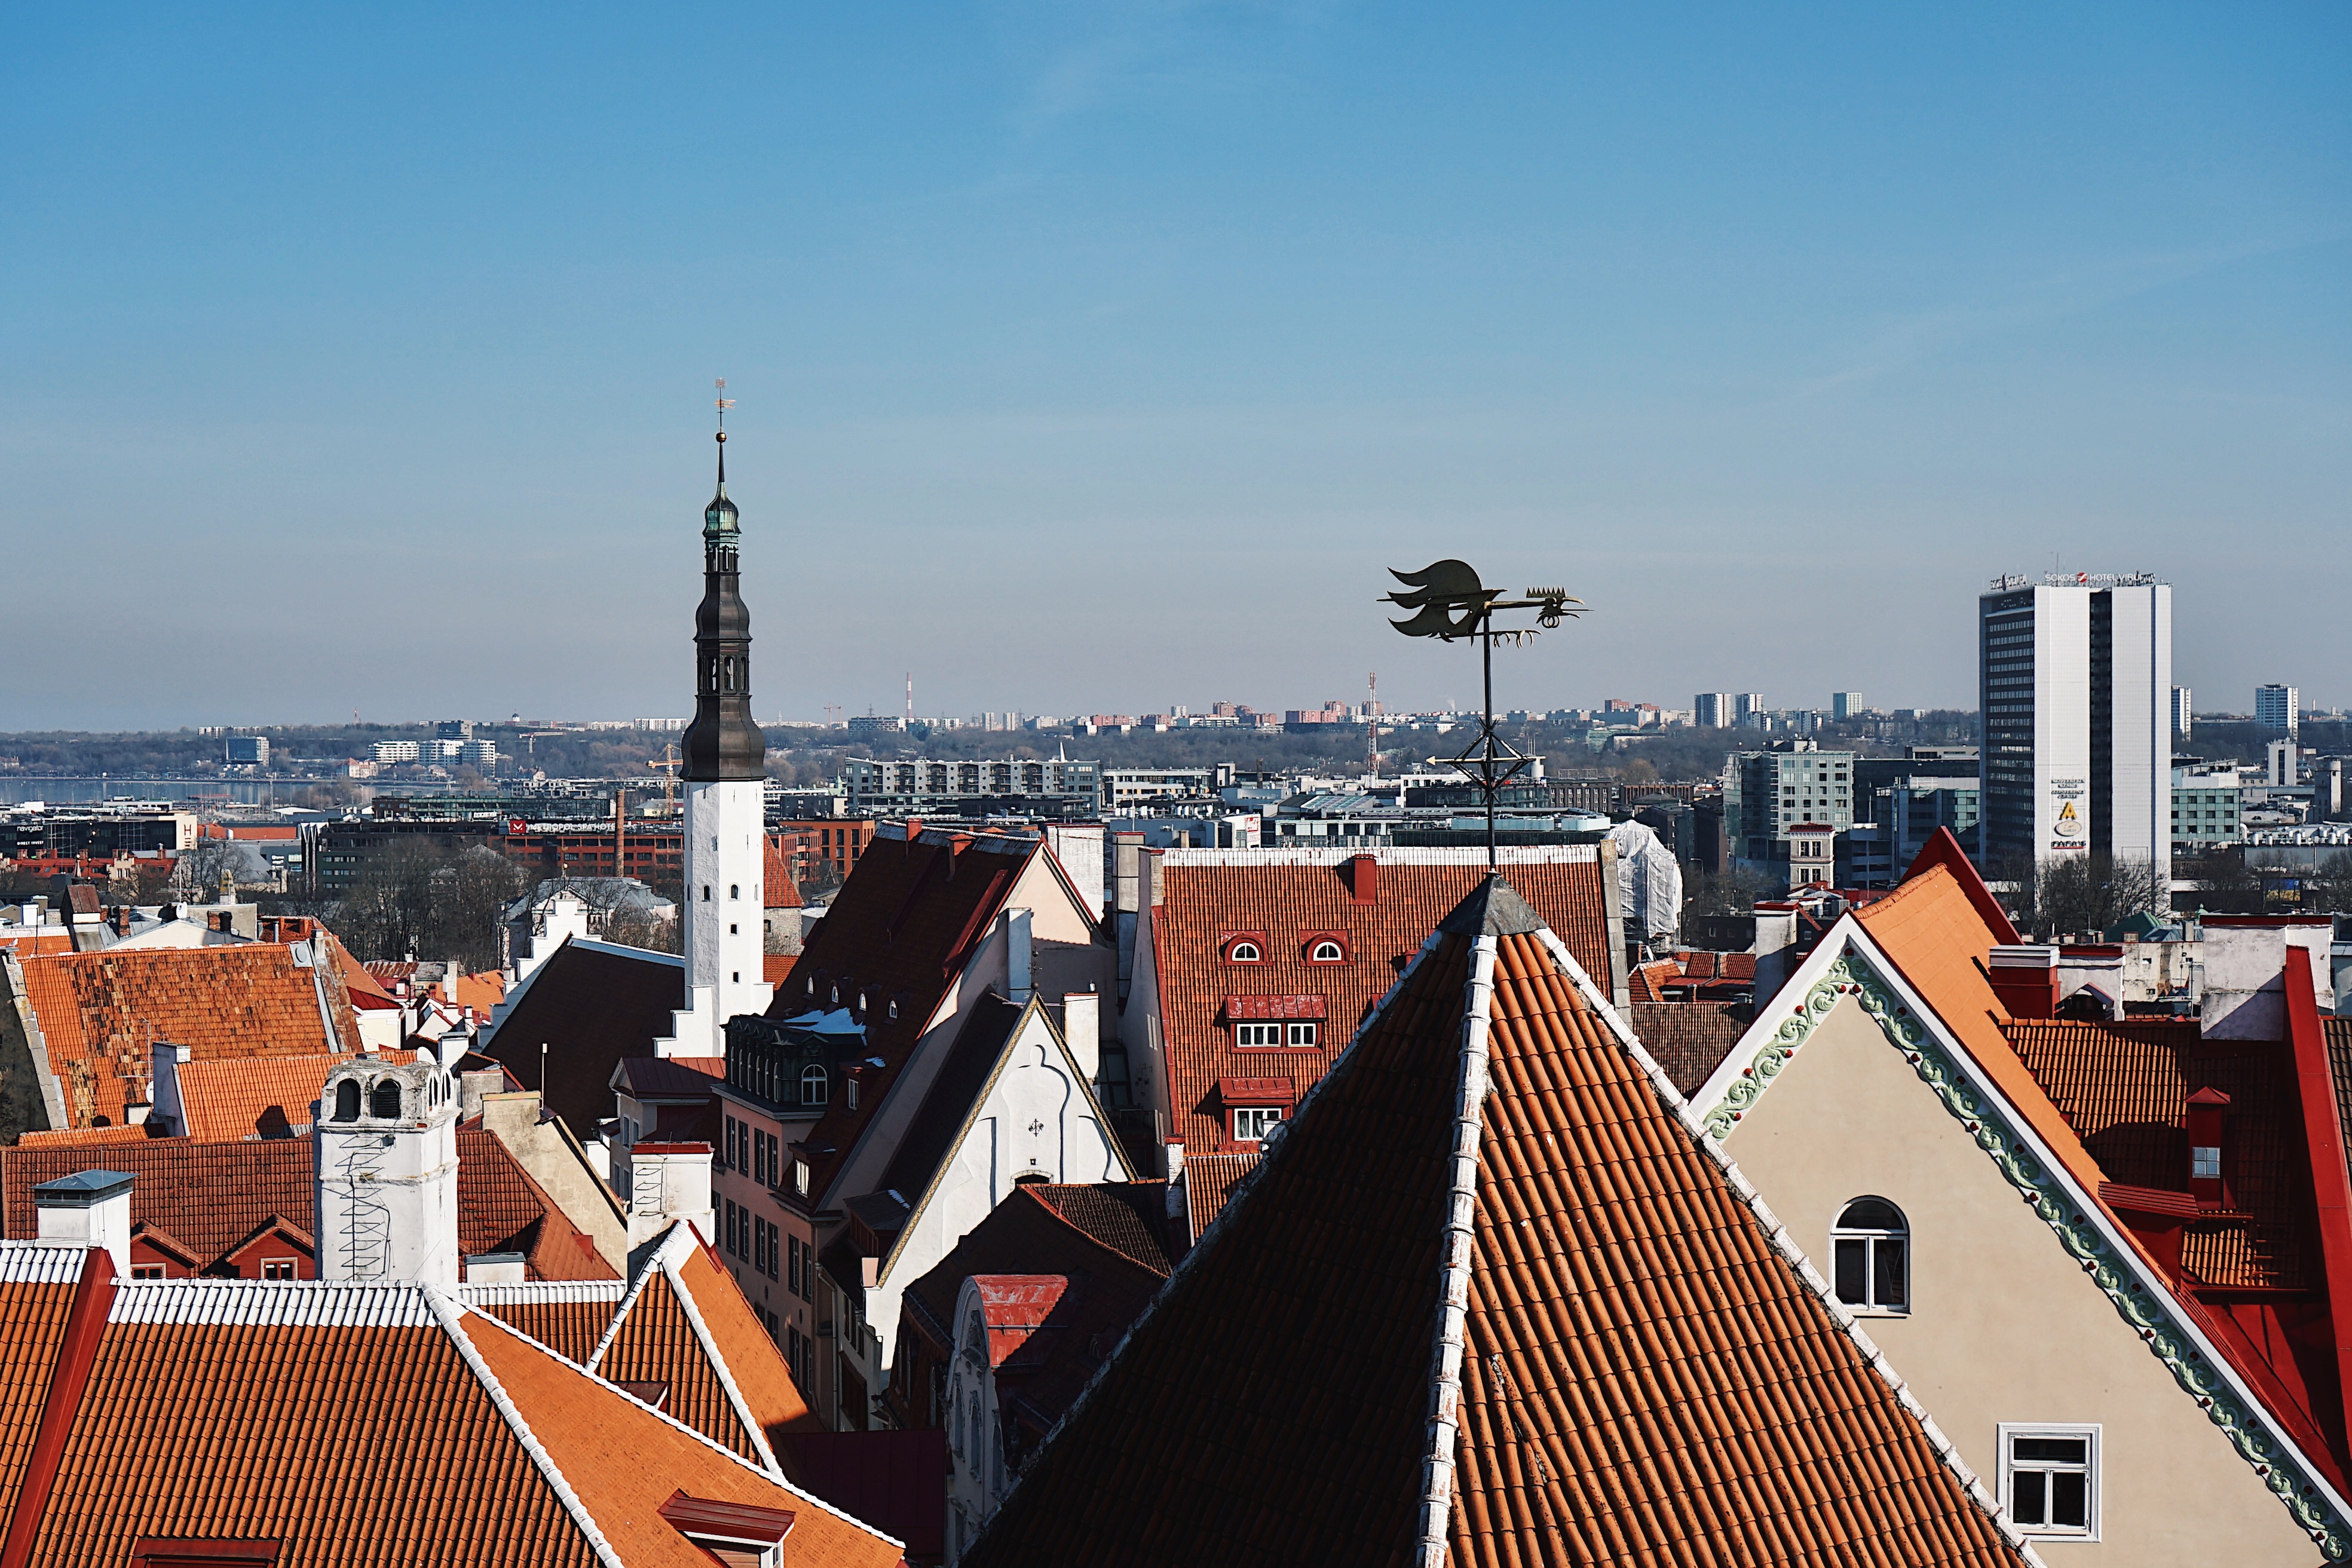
point(2075, 678)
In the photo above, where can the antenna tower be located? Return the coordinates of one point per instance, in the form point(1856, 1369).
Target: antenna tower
point(910, 700)
point(1372, 723)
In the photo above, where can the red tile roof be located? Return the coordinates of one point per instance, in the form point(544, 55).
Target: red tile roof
point(211, 1197)
point(255, 1097)
point(910, 915)
point(33, 1314)
point(1208, 1183)
point(1643, 1378)
point(101, 1013)
point(1130, 1218)
point(1206, 900)
point(653, 1341)
point(1689, 1039)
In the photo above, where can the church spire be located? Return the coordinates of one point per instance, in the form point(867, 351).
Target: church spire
point(722, 742)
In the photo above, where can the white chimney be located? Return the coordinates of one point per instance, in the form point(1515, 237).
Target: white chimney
point(669, 1183)
point(1018, 953)
point(1082, 1027)
point(2245, 974)
point(386, 1194)
point(89, 1208)
point(497, 1268)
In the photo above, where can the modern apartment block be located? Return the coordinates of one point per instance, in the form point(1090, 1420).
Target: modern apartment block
point(1711, 710)
point(2075, 679)
point(2276, 709)
point(1764, 794)
point(1749, 707)
point(1844, 705)
point(2182, 716)
point(2205, 803)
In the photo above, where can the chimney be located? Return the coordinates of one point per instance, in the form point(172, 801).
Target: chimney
point(385, 1143)
point(1018, 954)
point(669, 1183)
point(496, 1268)
point(1082, 1027)
point(89, 1208)
point(166, 1105)
point(1364, 880)
point(2025, 978)
point(473, 1086)
point(2206, 1115)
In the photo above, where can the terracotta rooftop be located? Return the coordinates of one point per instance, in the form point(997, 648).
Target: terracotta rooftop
point(255, 1097)
point(100, 1013)
point(1130, 1218)
point(1208, 1183)
point(210, 1197)
point(1209, 898)
point(591, 1005)
point(1689, 1039)
point(1642, 1376)
point(353, 1425)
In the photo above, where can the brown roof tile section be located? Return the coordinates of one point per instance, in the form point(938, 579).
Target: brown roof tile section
point(1209, 1181)
point(656, 1344)
point(255, 1097)
point(2125, 1088)
point(210, 1197)
point(1131, 1217)
point(1644, 1379)
point(1689, 1039)
point(345, 1445)
point(1286, 904)
point(570, 1329)
point(751, 1357)
point(101, 1013)
point(590, 1007)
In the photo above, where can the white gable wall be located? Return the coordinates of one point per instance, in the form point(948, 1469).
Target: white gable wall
point(2005, 1326)
point(1037, 1118)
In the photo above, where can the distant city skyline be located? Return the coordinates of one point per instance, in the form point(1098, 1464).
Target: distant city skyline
point(365, 362)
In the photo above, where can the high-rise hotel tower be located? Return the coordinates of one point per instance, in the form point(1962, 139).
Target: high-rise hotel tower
point(724, 775)
point(2074, 682)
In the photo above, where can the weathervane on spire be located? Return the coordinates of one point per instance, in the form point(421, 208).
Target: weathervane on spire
point(1450, 602)
point(723, 402)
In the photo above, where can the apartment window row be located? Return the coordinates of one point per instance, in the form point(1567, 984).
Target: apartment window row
point(1295, 1036)
point(759, 1154)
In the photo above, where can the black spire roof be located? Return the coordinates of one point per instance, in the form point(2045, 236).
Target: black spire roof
point(722, 742)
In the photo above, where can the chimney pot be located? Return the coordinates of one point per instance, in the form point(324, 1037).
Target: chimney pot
point(89, 1208)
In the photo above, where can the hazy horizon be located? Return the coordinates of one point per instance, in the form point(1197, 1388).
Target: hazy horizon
point(1102, 358)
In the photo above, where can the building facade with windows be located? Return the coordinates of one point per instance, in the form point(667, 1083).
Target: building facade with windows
point(2183, 716)
point(2205, 809)
point(2074, 682)
point(1767, 792)
point(1711, 710)
point(2113, 1354)
point(2278, 707)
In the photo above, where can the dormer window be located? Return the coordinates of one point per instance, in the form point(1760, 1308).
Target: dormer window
point(1244, 950)
point(1326, 947)
point(813, 1084)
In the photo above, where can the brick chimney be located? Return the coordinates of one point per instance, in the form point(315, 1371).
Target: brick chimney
point(1364, 878)
point(89, 1208)
point(2025, 978)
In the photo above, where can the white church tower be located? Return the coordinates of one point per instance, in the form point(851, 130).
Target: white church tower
point(386, 1145)
point(724, 772)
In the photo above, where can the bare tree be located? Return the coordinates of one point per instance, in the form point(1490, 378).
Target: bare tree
point(2329, 889)
point(413, 898)
point(1732, 892)
point(2093, 893)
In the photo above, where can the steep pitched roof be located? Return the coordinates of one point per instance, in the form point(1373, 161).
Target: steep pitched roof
point(255, 1097)
point(1209, 1183)
point(1287, 899)
point(35, 1301)
point(590, 1004)
point(1131, 1217)
point(365, 1424)
point(1489, 1297)
point(568, 1316)
point(1688, 1039)
point(210, 1197)
point(912, 913)
point(101, 1013)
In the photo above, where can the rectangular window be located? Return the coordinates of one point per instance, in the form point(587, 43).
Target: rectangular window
point(1301, 1034)
point(1252, 1035)
point(2049, 1479)
point(730, 1223)
point(278, 1269)
point(792, 1258)
point(146, 1271)
point(1250, 1125)
point(775, 1251)
point(758, 1244)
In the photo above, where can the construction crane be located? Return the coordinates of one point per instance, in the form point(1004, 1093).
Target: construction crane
point(832, 714)
point(1372, 724)
point(667, 765)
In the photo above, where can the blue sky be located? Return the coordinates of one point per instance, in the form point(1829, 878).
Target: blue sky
point(1100, 357)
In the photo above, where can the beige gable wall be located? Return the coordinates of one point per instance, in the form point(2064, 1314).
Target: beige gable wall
point(2004, 1325)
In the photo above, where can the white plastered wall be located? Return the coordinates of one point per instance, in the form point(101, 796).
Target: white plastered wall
point(2005, 1326)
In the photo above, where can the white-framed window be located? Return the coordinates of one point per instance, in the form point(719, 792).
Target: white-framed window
point(278, 1269)
point(146, 1271)
point(1244, 952)
point(1326, 951)
point(1870, 1254)
point(1257, 1035)
point(812, 1084)
point(2049, 1479)
point(1251, 1122)
point(1299, 1035)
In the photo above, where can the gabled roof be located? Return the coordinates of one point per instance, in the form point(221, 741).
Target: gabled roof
point(1286, 898)
point(1689, 1039)
point(912, 913)
point(212, 1197)
point(591, 1004)
point(255, 1097)
point(1489, 1299)
point(1915, 959)
point(684, 1322)
point(1131, 1217)
point(1209, 1183)
point(101, 1013)
point(361, 1425)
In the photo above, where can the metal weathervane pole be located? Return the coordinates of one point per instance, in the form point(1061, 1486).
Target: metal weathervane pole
point(1451, 604)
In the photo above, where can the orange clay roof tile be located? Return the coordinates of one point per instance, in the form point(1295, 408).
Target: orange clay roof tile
point(1205, 902)
point(255, 1097)
point(33, 1315)
point(102, 1013)
point(1644, 1379)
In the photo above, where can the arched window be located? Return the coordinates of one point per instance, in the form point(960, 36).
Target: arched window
point(1326, 951)
point(383, 1100)
point(1870, 1254)
point(347, 1100)
point(1244, 952)
point(813, 1084)
point(734, 890)
point(971, 1454)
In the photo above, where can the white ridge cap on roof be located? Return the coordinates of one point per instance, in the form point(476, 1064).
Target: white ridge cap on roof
point(274, 1303)
point(1474, 854)
point(527, 1293)
point(40, 1263)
